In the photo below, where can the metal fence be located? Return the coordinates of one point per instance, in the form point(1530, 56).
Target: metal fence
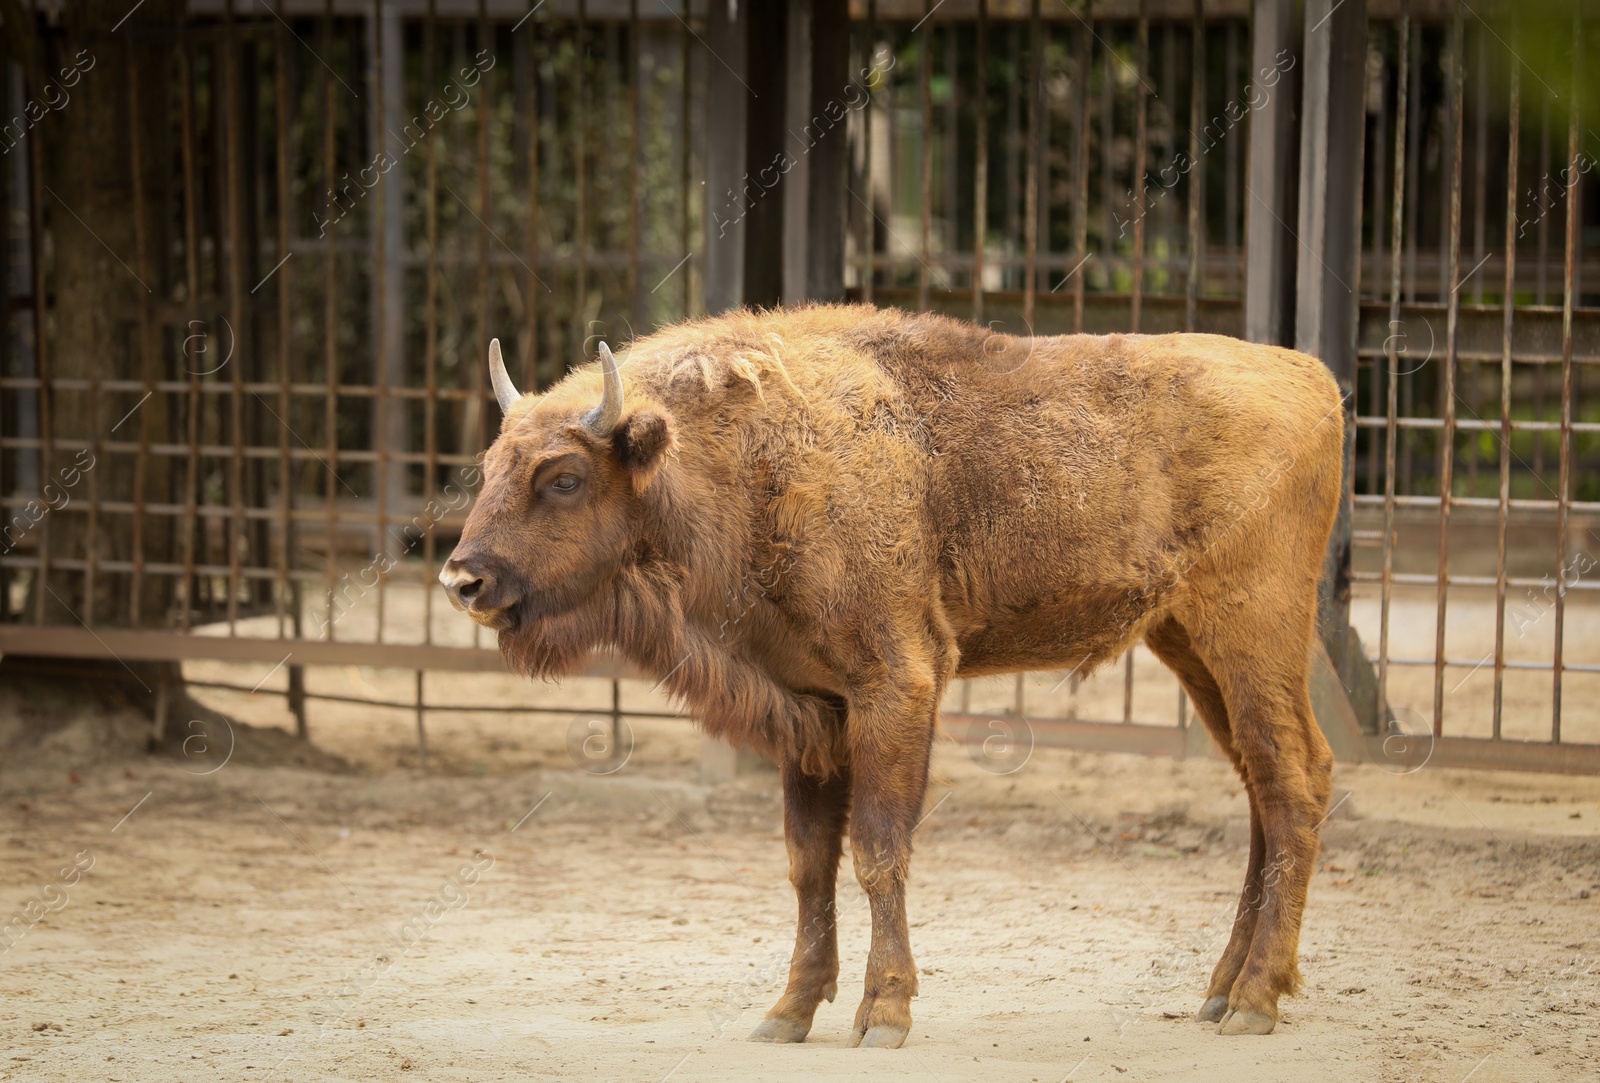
point(338, 205)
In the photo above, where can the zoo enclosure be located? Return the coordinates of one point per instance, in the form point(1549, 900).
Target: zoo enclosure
point(335, 206)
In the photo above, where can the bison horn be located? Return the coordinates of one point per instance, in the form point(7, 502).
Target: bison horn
point(603, 418)
point(504, 391)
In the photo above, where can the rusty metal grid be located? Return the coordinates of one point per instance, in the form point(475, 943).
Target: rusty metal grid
point(564, 206)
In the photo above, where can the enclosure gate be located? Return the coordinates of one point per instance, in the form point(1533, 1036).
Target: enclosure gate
point(255, 256)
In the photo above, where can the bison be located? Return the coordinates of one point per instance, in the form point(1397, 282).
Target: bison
point(806, 522)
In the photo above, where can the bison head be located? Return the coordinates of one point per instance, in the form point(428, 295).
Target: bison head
point(558, 514)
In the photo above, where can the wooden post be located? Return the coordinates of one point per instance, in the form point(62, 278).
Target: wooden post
point(1272, 203)
point(766, 144)
point(727, 101)
point(817, 114)
point(1332, 137)
point(827, 205)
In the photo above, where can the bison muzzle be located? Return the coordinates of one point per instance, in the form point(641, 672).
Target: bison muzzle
point(807, 522)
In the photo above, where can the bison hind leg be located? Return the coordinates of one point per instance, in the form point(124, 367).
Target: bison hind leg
point(1251, 690)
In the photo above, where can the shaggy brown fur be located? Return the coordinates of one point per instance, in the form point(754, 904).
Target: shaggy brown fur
point(807, 522)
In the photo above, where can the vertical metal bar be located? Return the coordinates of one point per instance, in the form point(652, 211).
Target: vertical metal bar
point(191, 221)
point(41, 364)
point(1391, 350)
point(91, 541)
point(1414, 174)
point(1082, 76)
point(422, 730)
point(580, 218)
point(330, 342)
point(980, 168)
point(616, 719)
point(430, 321)
point(486, 213)
point(1543, 233)
point(1480, 194)
point(1447, 439)
point(297, 701)
point(633, 161)
point(1018, 702)
point(530, 341)
point(1108, 235)
point(950, 201)
point(685, 160)
point(1508, 308)
point(868, 271)
point(1375, 387)
point(236, 316)
point(380, 276)
point(1197, 172)
point(1127, 687)
point(287, 592)
point(925, 158)
point(1230, 182)
point(1569, 298)
point(1141, 130)
point(147, 361)
point(1032, 165)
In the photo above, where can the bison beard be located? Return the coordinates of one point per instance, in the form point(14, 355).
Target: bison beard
point(807, 522)
point(643, 620)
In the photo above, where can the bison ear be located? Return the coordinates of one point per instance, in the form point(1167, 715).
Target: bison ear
point(643, 440)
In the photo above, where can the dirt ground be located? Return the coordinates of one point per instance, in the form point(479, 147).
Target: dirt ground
point(253, 911)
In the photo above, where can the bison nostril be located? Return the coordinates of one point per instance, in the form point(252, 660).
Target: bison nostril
point(468, 591)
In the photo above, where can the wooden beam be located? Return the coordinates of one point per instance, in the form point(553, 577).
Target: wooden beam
point(1272, 196)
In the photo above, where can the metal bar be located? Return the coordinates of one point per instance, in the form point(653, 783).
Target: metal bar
point(1447, 443)
point(41, 362)
point(1509, 298)
point(63, 641)
point(1033, 164)
point(870, 230)
point(194, 402)
point(1504, 755)
point(380, 278)
point(530, 340)
point(1414, 169)
point(329, 331)
point(422, 730)
point(980, 168)
point(430, 317)
point(1230, 175)
point(1127, 687)
point(485, 215)
point(1391, 375)
point(580, 165)
point(685, 161)
point(236, 314)
point(287, 591)
point(1082, 75)
point(1568, 300)
point(635, 154)
point(146, 352)
point(925, 158)
point(1196, 174)
point(1141, 135)
point(91, 541)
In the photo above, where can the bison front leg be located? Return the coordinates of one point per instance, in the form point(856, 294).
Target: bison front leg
point(814, 815)
point(889, 752)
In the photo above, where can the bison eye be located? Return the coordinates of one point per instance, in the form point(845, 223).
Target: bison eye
point(565, 483)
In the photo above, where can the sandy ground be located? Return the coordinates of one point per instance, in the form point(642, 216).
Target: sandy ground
point(510, 916)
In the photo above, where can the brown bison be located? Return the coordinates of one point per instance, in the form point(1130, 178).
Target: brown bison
point(807, 522)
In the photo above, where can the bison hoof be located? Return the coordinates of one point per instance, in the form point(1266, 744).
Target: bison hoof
point(1213, 1010)
point(779, 1029)
point(880, 1037)
point(1247, 1021)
